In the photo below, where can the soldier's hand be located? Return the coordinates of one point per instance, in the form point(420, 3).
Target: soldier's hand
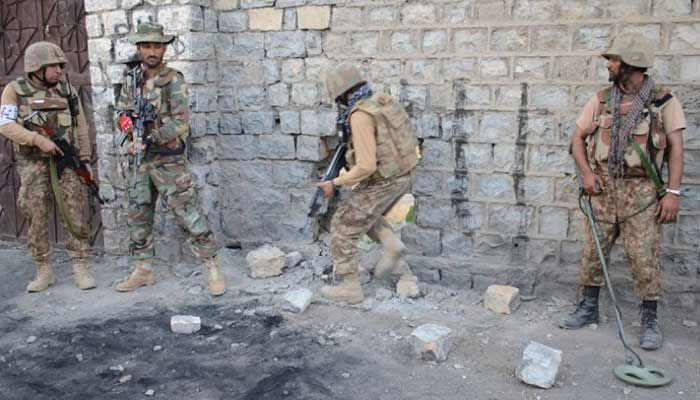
point(46, 145)
point(327, 187)
point(130, 148)
point(667, 209)
point(593, 183)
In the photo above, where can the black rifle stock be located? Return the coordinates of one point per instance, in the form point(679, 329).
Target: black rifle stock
point(333, 170)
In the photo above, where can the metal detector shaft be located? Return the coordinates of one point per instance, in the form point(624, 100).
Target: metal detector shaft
point(588, 210)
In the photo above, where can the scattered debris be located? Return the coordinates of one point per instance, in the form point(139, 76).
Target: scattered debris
point(539, 365)
point(218, 327)
point(150, 392)
point(407, 287)
point(689, 324)
point(185, 324)
point(79, 357)
point(297, 300)
point(627, 390)
point(265, 262)
point(124, 379)
point(527, 298)
point(432, 342)
point(502, 299)
point(157, 348)
point(293, 259)
point(345, 375)
point(195, 289)
point(117, 368)
point(31, 339)
point(382, 294)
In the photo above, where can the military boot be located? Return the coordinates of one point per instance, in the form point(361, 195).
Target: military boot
point(349, 290)
point(217, 283)
point(407, 286)
point(651, 338)
point(393, 250)
point(81, 274)
point(142, 275)
point(44, 277)
point(586, 312)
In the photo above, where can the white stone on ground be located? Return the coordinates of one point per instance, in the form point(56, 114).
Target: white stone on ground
point(539, 365)
point(293, 259)
point(432, 342)
point(297, 300)
point(265, 262)
point(185, 324)
point(407, 286)
point(502, 299)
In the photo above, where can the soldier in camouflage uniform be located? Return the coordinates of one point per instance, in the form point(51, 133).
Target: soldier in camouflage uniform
point(624, 195)
point(382, 155)
point(43, 90)
point(163, 170)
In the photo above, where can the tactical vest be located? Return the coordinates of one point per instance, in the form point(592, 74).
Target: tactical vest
point(396, 138)
point(53, 110)
point(156, 92)
point(649, 133)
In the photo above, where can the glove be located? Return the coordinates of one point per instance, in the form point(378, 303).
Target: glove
point(126, 124)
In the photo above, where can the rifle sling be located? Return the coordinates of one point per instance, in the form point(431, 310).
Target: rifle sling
point(650, 170)
point(61, 205)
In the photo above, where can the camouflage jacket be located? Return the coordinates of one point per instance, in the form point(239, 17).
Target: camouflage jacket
point(168, 93)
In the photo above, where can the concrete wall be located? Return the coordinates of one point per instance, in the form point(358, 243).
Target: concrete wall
point(494, 87)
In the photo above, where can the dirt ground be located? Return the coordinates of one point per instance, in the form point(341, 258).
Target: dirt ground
point(101, 344)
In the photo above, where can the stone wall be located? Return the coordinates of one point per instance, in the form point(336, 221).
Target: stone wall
point(493, 86)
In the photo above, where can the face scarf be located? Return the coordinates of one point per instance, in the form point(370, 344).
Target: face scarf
point(360, 93)
point(620, 136)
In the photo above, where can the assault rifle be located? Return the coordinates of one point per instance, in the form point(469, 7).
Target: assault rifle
point(333, 170)
point(69, 159)
point(143, 113)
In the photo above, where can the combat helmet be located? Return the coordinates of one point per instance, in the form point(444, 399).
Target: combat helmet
point(342, 79)
point(41, 54)
point(633, 49)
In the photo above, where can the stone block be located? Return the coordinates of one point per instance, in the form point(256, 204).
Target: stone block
point(511, 220)
point(234, 21)
point(256, 3)
point(592, 38)
point(456, 13)
point(421, 241)
point(550, 38)
point(278, 95)
point(186, 324)
point(257, 122)
point(494, 67)
point(497, 127)
point(365, 43)
point(469, 40)
point(689, 68)
point(100, 50)
point(293, 70)
point(426, 124)
point(289, 21)
point(310, 148)
point(554, 221)
point(383, 15)
point(266, 261)
point(546, 96)
point(276, 147)
point(182, 19)
point(403, 42)
point(432, 342)
point(454, 69)
point(491, 9)
point(346, 17)
point(434, 41)
point(496, 187)
point(115, 22)
point(649, 31)
point(289, 3)
point(553, 160)
point(305, 94)
point(314, 43)
point(418, 14)
point(297, 300)
point(314, 17)
point(509, 39)
point(539, 365)
point(293, 259)
point(628, 9)
point(289, 121)
point(92, 6)
point(672, 7)
point(423, 70)
point(196, 46)
point(318, 123)
point(271, 73)
point(93, 25)
point(531, 67)
point(535, 10)
point(285, 44)
point(265, 19)
point(502, 299)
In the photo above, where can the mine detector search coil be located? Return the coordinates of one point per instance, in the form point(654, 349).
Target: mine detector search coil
point(633, 371)
point(332, 171)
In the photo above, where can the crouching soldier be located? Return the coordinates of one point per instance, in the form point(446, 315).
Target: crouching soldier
point(381, 159)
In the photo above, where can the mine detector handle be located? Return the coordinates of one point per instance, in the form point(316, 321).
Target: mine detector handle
point(69, 159)
point(333, 170)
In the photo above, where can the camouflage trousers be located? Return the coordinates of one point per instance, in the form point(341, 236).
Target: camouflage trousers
point(641, 235)
point(35, 202)
point(363, 213)
point(166, 176)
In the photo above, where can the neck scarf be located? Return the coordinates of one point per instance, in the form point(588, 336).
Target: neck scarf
point(360, 93)
point(620, 135)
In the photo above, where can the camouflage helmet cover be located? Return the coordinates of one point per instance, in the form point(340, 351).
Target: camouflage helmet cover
point(342, 79)
point(41, 54)
point(633, 49)
point(150, 32)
